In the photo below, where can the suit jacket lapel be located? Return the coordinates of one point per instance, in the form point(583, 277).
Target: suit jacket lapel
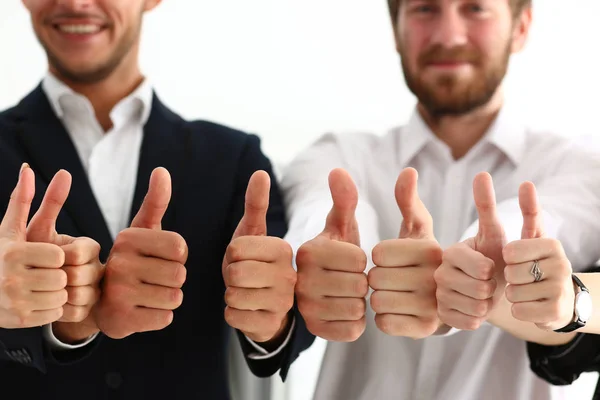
point(49, 149)
point(164, 145)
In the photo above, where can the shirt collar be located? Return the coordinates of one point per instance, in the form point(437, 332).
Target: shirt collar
point(56, 91)
point(507, 134)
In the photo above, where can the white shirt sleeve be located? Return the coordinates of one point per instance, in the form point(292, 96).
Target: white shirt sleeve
point(570, 203)
point(262, 354)
point(308, 199)
point(57, 345)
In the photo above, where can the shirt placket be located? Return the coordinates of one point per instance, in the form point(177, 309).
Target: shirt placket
point(451, 216)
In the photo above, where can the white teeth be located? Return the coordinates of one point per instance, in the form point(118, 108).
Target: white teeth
point(79, 29)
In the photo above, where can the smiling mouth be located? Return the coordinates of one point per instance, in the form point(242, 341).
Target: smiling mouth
point(79, 29)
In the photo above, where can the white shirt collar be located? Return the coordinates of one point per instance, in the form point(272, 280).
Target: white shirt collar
point(507, 133)
point(57, 92)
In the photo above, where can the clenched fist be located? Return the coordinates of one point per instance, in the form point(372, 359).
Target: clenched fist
point(549, 302)
point(404, 289)
point(258, 271)
point(470, 281)
point(32, 283)
point(332, 285)
point(82, 263)
point(145, 270)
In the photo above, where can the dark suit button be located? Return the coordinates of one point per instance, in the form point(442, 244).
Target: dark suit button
point(113, 380)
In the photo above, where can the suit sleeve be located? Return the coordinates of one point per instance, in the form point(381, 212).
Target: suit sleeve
point(252, 159)
point(562, 365)
point(27, 346)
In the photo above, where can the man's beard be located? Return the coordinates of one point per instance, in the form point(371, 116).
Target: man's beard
point(449, 95)
point(100, 71)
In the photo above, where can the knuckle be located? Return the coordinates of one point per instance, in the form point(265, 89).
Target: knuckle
point(304, 256)
point(427, 281)
point(357, 309)
point(303, 283)
point(180, 248)
point(481, 308)
point(235, 251)
point(234, 274)
point(471, 324)
point(290, 277)
point(287, 303)
point(179, 274)
point(176, 298)
point(485, 269)
point(355, 330)
point(308, 308)
point(434, 253)
point(123, 240)
point(378, 302)
point(231, 317)
point(450, 253)
point(385, 323)
point(442, 296)
point(508, 252)
point(231, 296)
point(287, 253)
point(373, 277)
point(361, 286)
point(117, 264)
point(11, 284)
point(440, 276)
point(509, 292)
point(12, 253)
point(484, 290)
point(377, 254)
point(359, 260)
point(555, 246)
point(62, 297)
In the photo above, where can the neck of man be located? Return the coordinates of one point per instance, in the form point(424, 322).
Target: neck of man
point(105, 94)
point(462, 132)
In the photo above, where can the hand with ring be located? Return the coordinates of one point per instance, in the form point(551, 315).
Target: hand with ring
point(538, 273)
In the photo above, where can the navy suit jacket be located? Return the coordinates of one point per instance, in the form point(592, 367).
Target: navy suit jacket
point(210, 167)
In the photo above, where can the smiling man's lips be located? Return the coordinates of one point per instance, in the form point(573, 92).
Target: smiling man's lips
point(79, 28)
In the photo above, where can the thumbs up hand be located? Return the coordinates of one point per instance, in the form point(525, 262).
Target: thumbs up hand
point(82, 264)
point(470, 280)
point(145, 269)
point(32, 283)
point(332, 285)
point(404, 289)
point(549, 301)
point(258, 271)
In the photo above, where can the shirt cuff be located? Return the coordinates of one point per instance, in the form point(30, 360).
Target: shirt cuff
point(57, 345)
point(262, 354)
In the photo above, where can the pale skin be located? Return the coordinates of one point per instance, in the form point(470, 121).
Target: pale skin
point(412, 273)
point(485, 25)
point(258, 273)
point(145, 269)
point(45, 277)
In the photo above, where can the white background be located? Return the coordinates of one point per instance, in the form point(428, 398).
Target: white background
point(290, 70)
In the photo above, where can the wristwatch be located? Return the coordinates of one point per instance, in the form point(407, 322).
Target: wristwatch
point(583, 307)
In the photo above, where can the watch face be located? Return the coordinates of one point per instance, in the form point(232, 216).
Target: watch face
point(583, 306)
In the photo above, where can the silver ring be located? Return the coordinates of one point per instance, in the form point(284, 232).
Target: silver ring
point(536, 271)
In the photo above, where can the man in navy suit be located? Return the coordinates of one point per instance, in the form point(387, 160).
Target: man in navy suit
point(134, 207)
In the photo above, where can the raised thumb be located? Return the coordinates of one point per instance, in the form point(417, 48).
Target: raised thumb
point(254, 221)
point(156, 202)
point(417, 222)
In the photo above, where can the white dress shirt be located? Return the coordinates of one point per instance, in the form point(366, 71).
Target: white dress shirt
point(110, 160)
point(485, 364)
